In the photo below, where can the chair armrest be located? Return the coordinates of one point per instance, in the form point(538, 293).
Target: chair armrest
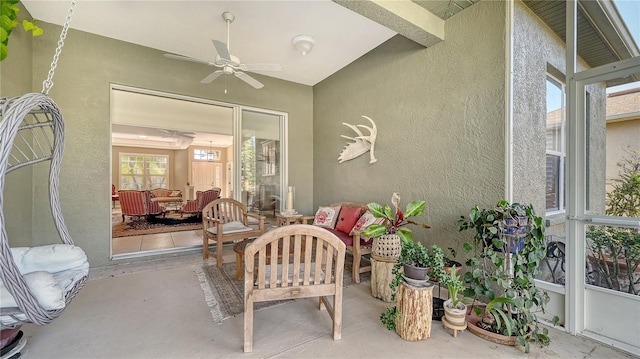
point(260, 219)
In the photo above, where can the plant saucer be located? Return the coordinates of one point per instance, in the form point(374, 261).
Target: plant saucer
point(418, 282)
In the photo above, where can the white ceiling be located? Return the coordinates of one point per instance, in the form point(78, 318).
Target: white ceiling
point(261, 32)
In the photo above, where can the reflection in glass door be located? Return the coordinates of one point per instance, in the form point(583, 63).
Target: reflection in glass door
point(262, 162)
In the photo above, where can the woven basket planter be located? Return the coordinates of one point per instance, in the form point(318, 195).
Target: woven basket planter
point(386, 247)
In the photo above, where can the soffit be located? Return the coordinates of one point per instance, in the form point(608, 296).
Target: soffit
point(600, 38)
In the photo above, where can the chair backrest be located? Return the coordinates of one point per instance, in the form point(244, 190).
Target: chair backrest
point(205, 197)
point(225, 210)
point(134, 203)
point(113, 190)
point(310, 257)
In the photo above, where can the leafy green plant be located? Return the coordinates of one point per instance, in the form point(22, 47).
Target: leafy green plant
point(498, 272)
point(454, 285)
point(8, 21)
point(615, 251)
point(395, 220)
point(388, 317)
point(415, 253)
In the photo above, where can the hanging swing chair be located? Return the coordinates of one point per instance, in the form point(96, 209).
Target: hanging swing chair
point(36, 283)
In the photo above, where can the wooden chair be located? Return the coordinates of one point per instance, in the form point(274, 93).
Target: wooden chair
point(227, 220)
point(315, 269)
point(357, 246)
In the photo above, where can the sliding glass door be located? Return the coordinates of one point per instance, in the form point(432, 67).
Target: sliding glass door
point(262, 159)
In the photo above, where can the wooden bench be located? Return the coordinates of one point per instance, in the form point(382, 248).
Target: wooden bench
point(311, 265)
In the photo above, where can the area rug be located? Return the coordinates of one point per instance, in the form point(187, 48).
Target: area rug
point(224, 294)
point(141, 226)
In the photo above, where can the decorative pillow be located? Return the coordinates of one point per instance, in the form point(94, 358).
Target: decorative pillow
point(365, 220)
point(326, 217)
point(347, 219)
point(174, 194)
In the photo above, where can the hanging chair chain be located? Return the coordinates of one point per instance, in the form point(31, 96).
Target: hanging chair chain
point(48, 83)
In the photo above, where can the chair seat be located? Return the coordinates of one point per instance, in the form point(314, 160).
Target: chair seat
point(231, 227)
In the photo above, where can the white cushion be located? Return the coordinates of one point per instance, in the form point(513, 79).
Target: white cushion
point(44, 287)
point(230, 227)
point(50, 258)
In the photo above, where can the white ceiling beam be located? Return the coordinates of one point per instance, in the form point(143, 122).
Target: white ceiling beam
point(402, 16)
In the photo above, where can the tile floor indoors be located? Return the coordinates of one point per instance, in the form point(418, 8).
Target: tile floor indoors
point(157, 242)
point(156, 309)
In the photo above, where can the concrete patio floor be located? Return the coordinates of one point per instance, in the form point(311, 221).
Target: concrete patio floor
point(157, 309)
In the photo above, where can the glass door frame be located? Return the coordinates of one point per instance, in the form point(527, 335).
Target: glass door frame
point(237, 147)
point(575, 299)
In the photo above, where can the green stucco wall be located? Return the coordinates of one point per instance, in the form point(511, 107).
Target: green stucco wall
point(87, 67)
point(440, 118)
point(15, 80)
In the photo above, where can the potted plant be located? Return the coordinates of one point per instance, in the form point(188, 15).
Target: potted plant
point(499, 272)
point(387, 235)
point(412, 252)
point(454, 308)
point(614, 252)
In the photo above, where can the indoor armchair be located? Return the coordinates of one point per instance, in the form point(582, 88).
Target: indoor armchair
point(138, 204)
point(195, 206)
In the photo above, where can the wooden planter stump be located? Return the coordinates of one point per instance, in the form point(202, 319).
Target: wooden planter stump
point(381, 277)
point(415, 307)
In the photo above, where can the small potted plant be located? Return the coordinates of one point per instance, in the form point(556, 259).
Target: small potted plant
point(387, 236)
point(454, 308)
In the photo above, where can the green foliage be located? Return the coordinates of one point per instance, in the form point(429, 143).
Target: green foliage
point(624, 198)
point(8, 21)
point(388, 317)
point(616, 250)
point(507, 278)
point(454, 285)
point(395, 219)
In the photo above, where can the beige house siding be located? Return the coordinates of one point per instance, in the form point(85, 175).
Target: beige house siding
point(623, 127)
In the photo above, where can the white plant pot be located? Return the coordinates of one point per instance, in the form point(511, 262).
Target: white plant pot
point(457, 315)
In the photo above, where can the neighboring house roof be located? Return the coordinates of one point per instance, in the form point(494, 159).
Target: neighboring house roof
point(623, 105)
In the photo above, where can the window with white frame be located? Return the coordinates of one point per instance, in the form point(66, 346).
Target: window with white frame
point(206, 155)
point(555, 149)
point(143, 171)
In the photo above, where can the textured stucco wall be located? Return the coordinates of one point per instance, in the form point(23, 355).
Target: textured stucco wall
point(440, 118)
point(531, 65)
point(88, 65)
point(15, 80)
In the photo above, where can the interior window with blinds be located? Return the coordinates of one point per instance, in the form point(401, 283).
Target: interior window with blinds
point(555, 149)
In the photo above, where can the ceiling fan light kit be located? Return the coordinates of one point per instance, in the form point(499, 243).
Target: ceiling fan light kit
point(227, 63)
point(303, 43)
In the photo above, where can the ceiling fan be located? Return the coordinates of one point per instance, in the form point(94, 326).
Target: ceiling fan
point(228, 63)
point(176, 133)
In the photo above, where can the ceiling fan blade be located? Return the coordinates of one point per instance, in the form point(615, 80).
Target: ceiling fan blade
point(212, 76)
point(248, 79)
point(185, 58)
point(222, 49)
point(261, 67)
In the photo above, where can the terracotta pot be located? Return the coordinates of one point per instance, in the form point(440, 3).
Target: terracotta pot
point(418, 273)
point(472, 325)
point(455, 315)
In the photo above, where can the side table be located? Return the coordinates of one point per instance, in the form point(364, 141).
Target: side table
point(285, 220)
